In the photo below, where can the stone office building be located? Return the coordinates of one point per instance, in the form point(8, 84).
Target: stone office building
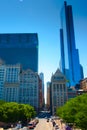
point(58, 90)
point(17, 85)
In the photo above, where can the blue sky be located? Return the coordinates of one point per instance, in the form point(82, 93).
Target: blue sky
point(43, 17)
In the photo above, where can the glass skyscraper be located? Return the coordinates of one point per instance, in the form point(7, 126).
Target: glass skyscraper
point(70, 64)
point(20, 48)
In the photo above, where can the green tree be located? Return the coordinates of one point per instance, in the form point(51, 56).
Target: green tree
point(12, 112)
point(2, 102)
point(75, 111)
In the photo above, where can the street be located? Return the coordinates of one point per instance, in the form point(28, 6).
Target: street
point(44, 125)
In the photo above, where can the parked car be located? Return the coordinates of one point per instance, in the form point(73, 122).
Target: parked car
point(30, 125)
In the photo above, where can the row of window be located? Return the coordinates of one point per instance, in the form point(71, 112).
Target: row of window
point(27, 38)
point(59, 87)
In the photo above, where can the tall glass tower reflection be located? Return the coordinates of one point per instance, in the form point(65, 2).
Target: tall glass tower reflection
point(70, 64)
point(20, 48)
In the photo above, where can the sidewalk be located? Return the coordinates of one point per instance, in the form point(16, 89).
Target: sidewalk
point(61, 125)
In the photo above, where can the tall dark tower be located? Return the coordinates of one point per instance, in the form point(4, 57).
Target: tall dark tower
point(20, 48)
point(70, 64)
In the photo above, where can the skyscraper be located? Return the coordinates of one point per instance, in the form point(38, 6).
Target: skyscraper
point(70, 64)
point(20, 48)
point(41, 75)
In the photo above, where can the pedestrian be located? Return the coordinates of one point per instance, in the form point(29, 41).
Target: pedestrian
point(11, 125)
point(68, 128)
point(54, 123)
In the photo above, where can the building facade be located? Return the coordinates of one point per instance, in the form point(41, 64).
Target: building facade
point(41, 103)
point(17, 85)
point(49, 95)
point(83, 84)
point(72, 93)
point(70, 64)
point(2, 80)
point(41, 75)
point(29, 88)
point(20, 48)
point(58, 90)
point(12, 83)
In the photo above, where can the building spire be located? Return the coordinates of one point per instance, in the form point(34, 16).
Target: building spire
point(65, 3)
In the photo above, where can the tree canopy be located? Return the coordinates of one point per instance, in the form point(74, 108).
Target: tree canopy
point(75, 111)
point(12, 112)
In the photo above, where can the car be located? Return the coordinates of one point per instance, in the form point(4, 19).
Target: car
point(30, 125)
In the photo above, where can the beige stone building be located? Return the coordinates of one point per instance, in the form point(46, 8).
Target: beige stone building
point(58, 90)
